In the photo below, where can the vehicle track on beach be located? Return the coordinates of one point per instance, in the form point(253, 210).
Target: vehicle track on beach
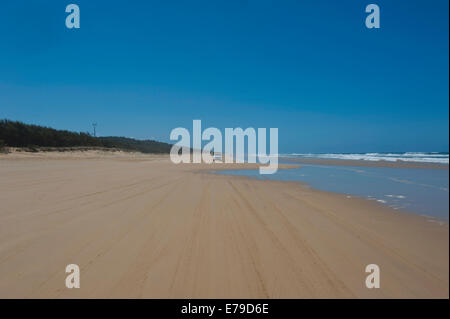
point(152, 229)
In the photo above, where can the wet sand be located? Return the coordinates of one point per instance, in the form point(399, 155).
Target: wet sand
point(141, 227)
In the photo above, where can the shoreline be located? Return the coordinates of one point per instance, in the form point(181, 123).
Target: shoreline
point(370, 196)
point(142, 227)
point(348, 196)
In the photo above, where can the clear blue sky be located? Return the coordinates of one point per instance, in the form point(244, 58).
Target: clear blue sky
point(310, 68)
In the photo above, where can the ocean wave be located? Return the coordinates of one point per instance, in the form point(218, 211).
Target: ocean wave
point(431, 157)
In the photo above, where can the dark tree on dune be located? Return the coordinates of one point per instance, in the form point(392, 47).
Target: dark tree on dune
point(18, 134)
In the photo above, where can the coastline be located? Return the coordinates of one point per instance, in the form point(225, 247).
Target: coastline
point(141, 227)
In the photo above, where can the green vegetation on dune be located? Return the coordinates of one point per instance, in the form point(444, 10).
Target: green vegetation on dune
point(144, 146)
point(18, 134)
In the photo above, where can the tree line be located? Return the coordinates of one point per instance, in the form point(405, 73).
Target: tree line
point(18, 134)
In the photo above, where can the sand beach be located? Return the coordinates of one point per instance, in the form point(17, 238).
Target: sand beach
point(140, 226)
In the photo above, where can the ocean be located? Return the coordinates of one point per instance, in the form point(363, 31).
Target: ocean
point(423, 157)
point(417, 190)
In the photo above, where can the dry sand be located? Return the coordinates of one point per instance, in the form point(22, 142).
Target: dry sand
point(141, 227)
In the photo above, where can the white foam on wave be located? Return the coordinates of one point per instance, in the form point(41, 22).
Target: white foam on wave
point(395, 196)
point(432, 157)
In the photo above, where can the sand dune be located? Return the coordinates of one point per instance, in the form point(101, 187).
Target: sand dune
point(142, 227)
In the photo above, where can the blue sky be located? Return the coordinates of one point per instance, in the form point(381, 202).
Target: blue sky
point(310, 68)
